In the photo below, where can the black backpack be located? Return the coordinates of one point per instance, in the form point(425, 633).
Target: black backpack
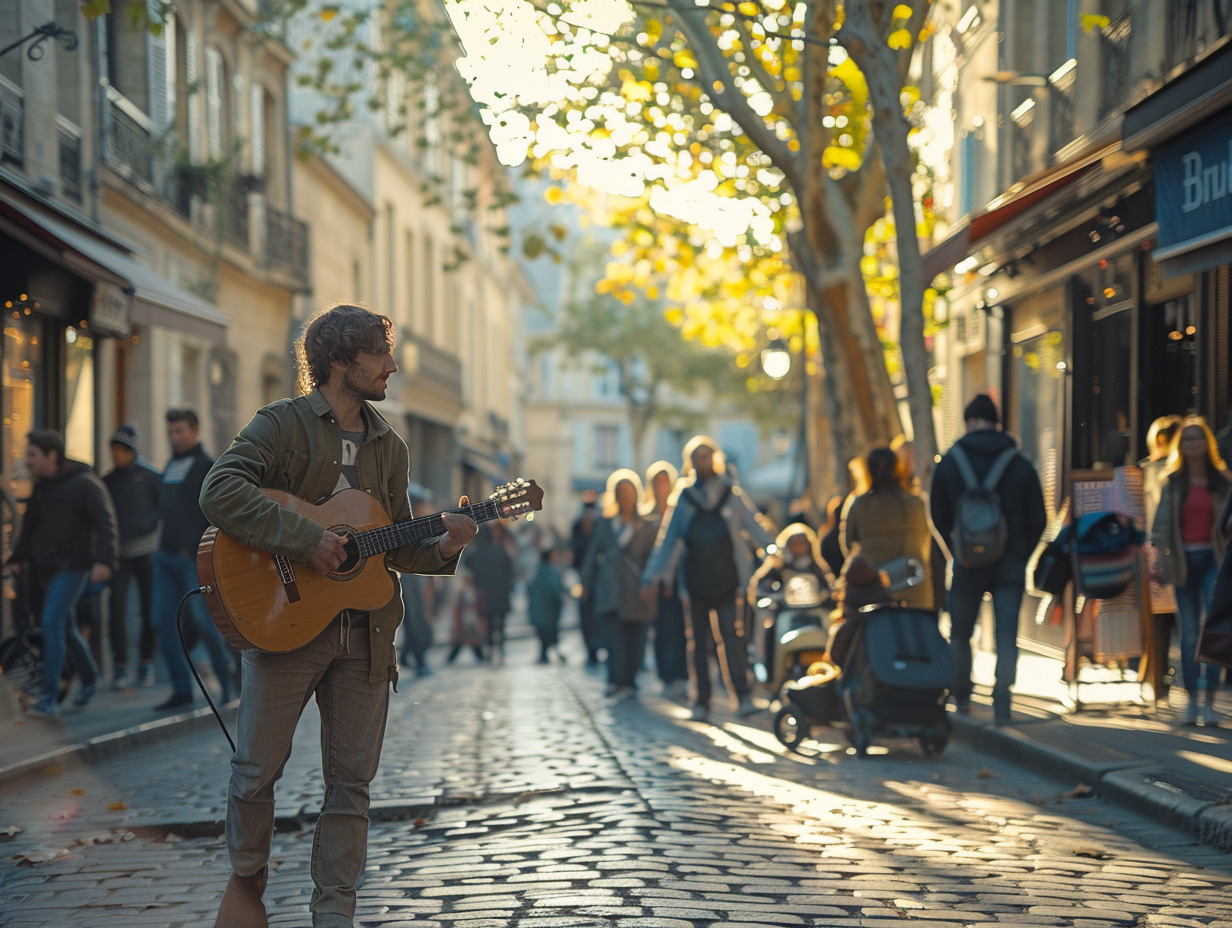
point(709, 560)
point(978, 536)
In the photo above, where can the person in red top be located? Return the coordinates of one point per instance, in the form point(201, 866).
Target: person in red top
point(1190, 541)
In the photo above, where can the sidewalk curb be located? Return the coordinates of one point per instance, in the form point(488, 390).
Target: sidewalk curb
point(114, 744)
point(1128, 780)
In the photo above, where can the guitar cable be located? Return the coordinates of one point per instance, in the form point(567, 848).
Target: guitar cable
point(179, 625)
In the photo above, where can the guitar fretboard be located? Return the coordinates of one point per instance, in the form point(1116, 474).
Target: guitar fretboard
point(387, 537)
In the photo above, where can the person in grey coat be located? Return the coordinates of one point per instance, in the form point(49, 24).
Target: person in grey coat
point(611, 574)
point(708, 521)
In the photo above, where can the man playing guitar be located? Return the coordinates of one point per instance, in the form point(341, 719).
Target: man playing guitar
point(312, 446)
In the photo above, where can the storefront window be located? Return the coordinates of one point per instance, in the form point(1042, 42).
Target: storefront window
point(22, 385)
point(1103, 324)
point(79, 394)
point(1038, 372)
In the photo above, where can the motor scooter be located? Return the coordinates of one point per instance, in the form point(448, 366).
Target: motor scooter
point(794, 613)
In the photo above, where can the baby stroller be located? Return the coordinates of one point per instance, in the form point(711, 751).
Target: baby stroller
point(894, 681)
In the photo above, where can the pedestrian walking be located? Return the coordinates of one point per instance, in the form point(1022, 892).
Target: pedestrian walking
point(1154, 467)
point(1190, 537)
point(984, 471)
point(464, 609)
point(134, 487)
point(580, 534)
point(67, 540)
point(491, 565)
point(830, 533)
point(545, 597)
point(328, 439)
point(417, 601)
point(175, 564)
point(709, 517)
point(611, 577)
point(670, 644)
point(888, 522)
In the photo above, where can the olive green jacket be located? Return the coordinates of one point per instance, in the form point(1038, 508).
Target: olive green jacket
point(293, 445)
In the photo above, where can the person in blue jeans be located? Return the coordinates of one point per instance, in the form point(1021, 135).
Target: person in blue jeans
point(175, 564)
point(1021, 498)
point(67, 540)
point(1190, 535)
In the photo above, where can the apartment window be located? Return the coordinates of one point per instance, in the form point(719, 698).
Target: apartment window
point(432, 127)
point(607, 382)
point(431, 310)
point(607, 447)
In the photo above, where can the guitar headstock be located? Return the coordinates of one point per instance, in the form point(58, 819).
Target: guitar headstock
point(518, 497)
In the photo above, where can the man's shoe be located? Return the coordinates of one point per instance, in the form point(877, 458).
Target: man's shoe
point(175, 701)
point(746, 708)
point(699, 713)
point(145, 675)
point(241, 905)
point(1190, 716)
point(43, 710)
point(120, 679)
point(1210, 717)
point(84, 695)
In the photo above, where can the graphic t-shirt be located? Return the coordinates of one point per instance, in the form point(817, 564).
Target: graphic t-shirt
point(350, 454)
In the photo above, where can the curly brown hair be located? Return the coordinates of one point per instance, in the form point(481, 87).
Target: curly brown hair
point(339, 333)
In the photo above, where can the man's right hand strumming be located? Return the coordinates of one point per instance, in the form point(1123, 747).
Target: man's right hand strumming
point(330, 553)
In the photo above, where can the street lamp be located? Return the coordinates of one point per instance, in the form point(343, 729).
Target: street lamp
point(776, 359)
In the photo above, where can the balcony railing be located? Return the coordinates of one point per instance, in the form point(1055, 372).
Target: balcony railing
point(1114, 46)
point(435, 367)
point(69, 143)
point(1061, 106)
point(129, 144)
point(1022, 157)
point(12, 122)
point(286, 243)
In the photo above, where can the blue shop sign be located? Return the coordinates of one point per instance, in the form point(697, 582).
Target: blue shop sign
point(1193, 187)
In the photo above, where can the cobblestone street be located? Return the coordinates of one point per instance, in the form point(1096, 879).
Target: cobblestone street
point(517, 795)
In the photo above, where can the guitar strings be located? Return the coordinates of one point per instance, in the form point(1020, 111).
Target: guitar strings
point(376, 540)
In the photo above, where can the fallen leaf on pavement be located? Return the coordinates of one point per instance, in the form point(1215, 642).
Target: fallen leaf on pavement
point(986, 774)
point(1081, 791)
point(1096, 853)
point(78, 792)
point(116, 806)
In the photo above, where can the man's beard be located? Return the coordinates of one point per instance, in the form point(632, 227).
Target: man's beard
point(372, 391)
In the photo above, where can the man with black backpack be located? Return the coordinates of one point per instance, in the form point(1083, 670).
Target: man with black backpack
point(988, 505)
point(703, 538)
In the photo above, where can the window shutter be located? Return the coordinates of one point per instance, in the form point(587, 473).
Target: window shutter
point(257, 116)
point(156, 59)
point(195, 135)
point(215, 87)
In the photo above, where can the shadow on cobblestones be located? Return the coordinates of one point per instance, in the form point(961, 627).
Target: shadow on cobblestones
point(518, 796)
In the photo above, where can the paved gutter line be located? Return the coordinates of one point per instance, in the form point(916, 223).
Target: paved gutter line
point(1135, 783)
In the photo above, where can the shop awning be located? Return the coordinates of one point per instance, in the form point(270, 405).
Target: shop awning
point(487, 465)
point(155, 300)
point(1020, 199)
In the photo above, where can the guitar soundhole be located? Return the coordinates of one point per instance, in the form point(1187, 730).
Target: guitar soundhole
point(353, 561)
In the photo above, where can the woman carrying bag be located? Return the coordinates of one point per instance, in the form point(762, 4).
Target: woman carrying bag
point(1189, 542)
point(890, 524)
point(611, 578)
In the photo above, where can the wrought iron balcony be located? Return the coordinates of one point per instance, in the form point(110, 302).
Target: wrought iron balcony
point(69, 144)
point(12, 123)
point(286, 243)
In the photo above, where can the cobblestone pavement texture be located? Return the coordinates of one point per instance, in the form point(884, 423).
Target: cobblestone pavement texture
point(517, 795)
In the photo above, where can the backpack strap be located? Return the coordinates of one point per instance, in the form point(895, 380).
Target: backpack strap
point(964, 467)
point(999, 467)
point(995, 473)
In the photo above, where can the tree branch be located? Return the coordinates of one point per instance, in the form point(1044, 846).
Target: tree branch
point(712, 70)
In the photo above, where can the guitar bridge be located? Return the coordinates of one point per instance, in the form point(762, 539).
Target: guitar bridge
point(287, 574)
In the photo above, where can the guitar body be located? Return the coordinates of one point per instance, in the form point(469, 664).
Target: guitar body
point(259, 600)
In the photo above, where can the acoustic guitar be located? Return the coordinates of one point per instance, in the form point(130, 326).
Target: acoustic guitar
point(265, 601)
